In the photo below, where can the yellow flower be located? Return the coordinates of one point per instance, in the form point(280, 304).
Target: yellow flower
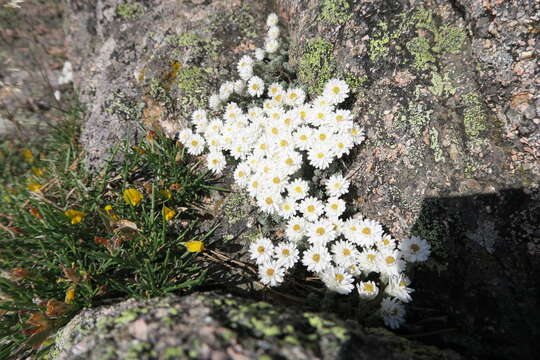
point(27, 155)
point(75, 216)
point(35, 187)
point(38, 171)
point(70, 295)
point(194, 246)
point(166, 193)
point(168, 214)
point(132, 197)
point(110, 212)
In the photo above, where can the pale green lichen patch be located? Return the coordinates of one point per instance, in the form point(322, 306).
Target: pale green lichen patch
point(434, 145)
point(193, 80)
point(379, 43)
point(317, 65)
point(195, 45)
point(474, 115)
point(335, 11)
point(129, 11)
point(441, 85)
point(356, 82)
point(415, 118)
point(420, 49)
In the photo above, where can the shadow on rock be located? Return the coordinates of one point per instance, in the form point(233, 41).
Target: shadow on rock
point(480, 296)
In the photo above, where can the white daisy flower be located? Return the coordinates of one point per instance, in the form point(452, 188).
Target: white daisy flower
point(392, 312)
point(225, 90)
point(387, 242)
point(269, 201)
point(195, 145)
point(286, 254)
point(321, 232)
point(256, 86)
point(216, 161)
point(295, 97)
point(320, 156)
point(390, 262)
point(214, 101)
point(288, 208)
point(344, 253)
point(274, 89)
point(245, 67)
point(367, 290)
point(303, 138)
point(255, 185)
point(184, 135)
point(341, 145)
point(334, 207)
point(296, 228)
point(351, 229)
point(259, 54)
point(277, 181)
point(271, 273)
point(370, 233)
point(261, 250)
point(312, 208)
point(337, 185)
point(357, 134)
point(398, 288)
point(302, 113)
point(198, 115)
point(273, 32)
point(239, 86)
point(298, 189)
point(320, 115)
point(316, 258)
point(271, 46)
point(415, 249)
point(214, 126)
point(272, 20)
point(336, 91)
point(242, 174)
point(369, 260)
point(338, 279)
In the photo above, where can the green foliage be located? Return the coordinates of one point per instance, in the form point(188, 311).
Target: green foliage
point(316, 66)
point(335, 11)
point(129, 11)
point(54, 263)
point(474, 116)
point(378, 45)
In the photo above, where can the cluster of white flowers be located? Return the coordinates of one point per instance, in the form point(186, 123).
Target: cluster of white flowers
point(271, 145)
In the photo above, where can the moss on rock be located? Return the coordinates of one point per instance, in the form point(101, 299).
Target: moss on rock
point(317, 64)
point(335, 11)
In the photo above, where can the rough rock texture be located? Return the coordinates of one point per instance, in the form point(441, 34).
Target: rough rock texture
point(447, 91)
point(213, 326)
point(32, 53)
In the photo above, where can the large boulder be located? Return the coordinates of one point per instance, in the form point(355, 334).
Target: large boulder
point(214, 326)
point(446, 90)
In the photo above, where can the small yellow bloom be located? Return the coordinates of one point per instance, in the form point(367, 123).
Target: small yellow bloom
point(109, 210)
point(28, 155)
point(35, 187)
point(168, 214)
point(132, 197)
point(166, 193)
point(75, 216)
point(70, 295)
point(194, 246)
point(38, 171)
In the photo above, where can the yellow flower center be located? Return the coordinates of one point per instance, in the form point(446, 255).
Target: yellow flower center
point(285, 252)
point(334, 206)
point(366, 231)
point(276, 180)
point(293, 96)
point(316, 257)
point(322, 137)
point(339, 117)
point(303, 137)
point(255, 86)
point(311, 208)
point(194, 143)
point(390, 260)
point(270, 272)
point(346, 252)
point(215, 161)
point(296, 227)
point(339, 277)
point(320, 231)
point(289, 162)
point(298, 189)
point(335, 90)
point(261, 249)
point(269, 200)
point(371, 257)
point(415, 248)
point(369, 288)
point(263, 146)
point(283, 143)
point(241, 173)
point(286, 207)
point(320, 155)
